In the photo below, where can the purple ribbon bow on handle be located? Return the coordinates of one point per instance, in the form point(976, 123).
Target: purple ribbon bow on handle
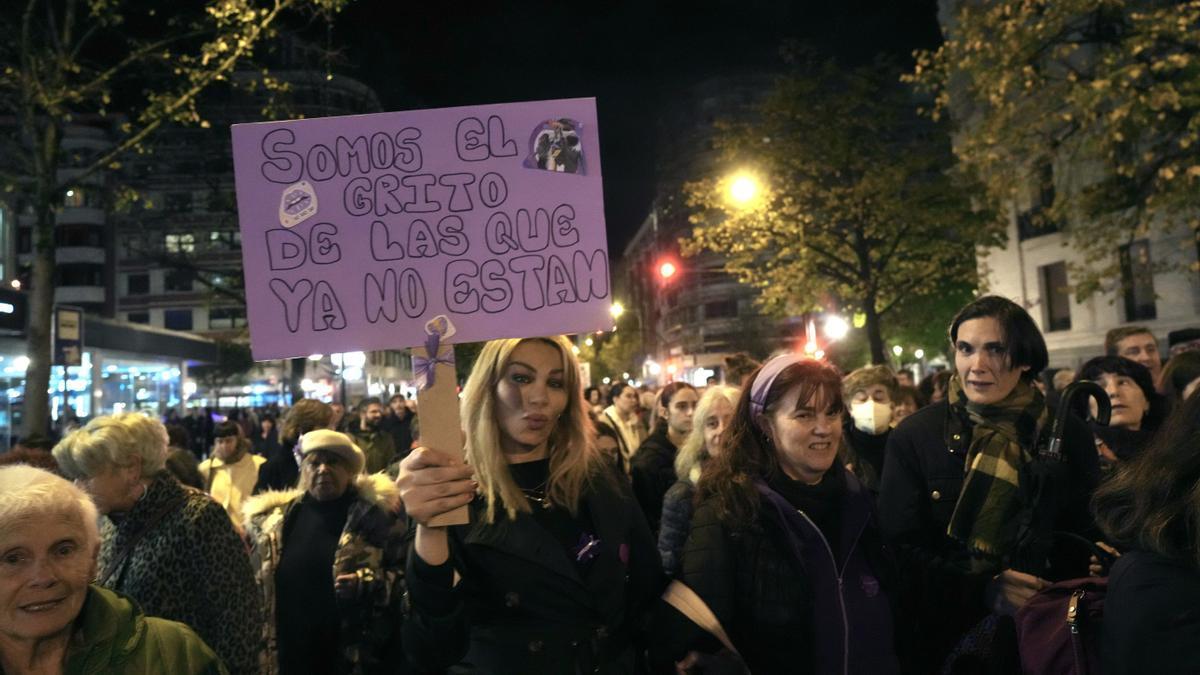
point(425, 367)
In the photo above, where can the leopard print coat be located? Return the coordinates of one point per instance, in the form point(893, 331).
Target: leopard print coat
point(189, 566)
point(372, 545)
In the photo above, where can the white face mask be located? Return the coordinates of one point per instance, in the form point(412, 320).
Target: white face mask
point(871, 417)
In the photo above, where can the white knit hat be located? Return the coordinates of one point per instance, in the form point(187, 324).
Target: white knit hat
point(332, 441)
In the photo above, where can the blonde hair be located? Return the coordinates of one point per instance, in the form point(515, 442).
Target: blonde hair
point(120, 440)
point(28, 493)
point(693, 453)
point(573, 456)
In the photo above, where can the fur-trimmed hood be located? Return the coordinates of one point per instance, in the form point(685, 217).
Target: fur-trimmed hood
point(376, 488)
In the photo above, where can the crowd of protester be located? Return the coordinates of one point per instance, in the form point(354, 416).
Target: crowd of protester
point(794, 519)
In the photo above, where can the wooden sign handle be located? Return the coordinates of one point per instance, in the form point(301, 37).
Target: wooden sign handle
point(441, 427)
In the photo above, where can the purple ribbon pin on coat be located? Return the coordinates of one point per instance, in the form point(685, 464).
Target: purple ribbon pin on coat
point(425, 367)
point(587, 548)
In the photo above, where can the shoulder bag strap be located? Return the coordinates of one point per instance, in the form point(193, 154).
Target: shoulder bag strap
point(684, 599)
point(136, 538)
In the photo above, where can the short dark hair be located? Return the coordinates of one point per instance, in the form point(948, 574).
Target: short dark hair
point(1023, 341)
point(906, 393)
point(616, 390)
point(368, 402)
point(1114, 336)
point(227, 428)
point(178, 436)
point(1119, 365)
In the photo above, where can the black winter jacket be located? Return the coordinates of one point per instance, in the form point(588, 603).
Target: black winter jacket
point(653, 473)
point(924, 468)
point(1151, 617)
point(780, 603)
point(522, 606)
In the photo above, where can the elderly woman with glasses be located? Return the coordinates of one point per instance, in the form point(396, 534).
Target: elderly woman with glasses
point(330, 558)
point(52, 619)
point(170, 548)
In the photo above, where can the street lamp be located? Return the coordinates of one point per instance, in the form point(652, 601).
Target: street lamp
point(836, 327)
point(920, 353)
point(616, 310)
point(744, 189)
point(897, 350)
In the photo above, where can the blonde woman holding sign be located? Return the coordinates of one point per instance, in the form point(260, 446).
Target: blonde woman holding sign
point(556, 569)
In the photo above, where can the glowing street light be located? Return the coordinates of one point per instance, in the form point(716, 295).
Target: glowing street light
point(836, 327)
point(616, 310)
point(589, 342)
point(920, 353)
point(744, 189)
point(667, 269)
point(897, 350)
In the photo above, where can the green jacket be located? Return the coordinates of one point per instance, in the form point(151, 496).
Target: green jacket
point(113, 637)
point(378, 446)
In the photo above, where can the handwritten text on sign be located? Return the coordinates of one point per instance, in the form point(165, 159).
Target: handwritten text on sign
point(357, 230)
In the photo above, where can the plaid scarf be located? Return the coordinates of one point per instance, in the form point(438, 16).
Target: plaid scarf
point(1004, 432)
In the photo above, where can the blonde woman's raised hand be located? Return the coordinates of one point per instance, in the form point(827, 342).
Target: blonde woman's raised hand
point(432, 482)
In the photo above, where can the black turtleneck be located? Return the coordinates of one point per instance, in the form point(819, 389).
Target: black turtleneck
point(822, 503)
point(557, 520)
point(1124, 443)
point(307, 616)
point(868, 447)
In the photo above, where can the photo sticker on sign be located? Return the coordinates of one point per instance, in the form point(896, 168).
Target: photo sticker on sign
point(555, 146)
point(423, 215)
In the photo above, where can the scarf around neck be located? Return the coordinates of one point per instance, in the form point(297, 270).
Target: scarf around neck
point(1004, 432)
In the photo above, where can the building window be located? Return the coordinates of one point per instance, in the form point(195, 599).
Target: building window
point(177, 319)
point(76, 197)
point(177, 202)
point(179, 280)
point(138, 284)
point(79, 235)
point(80, 275)
point(138, 317)
point(180, 243)
point(1057, 294)
point(228, 240)
point(226, 317)
point(721, 310)
point(1035, 221)
point(1137, 278)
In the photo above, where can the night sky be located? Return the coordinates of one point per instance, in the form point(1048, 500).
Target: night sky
point(424, 54)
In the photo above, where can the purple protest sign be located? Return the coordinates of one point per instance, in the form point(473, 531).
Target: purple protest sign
point(358, 230)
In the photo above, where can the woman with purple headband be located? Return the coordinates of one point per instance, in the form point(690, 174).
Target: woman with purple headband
point(784, 548)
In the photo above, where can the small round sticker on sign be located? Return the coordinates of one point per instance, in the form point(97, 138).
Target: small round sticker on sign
point(298, 204)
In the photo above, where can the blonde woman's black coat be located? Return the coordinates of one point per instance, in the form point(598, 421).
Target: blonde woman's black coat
point(522, 605)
